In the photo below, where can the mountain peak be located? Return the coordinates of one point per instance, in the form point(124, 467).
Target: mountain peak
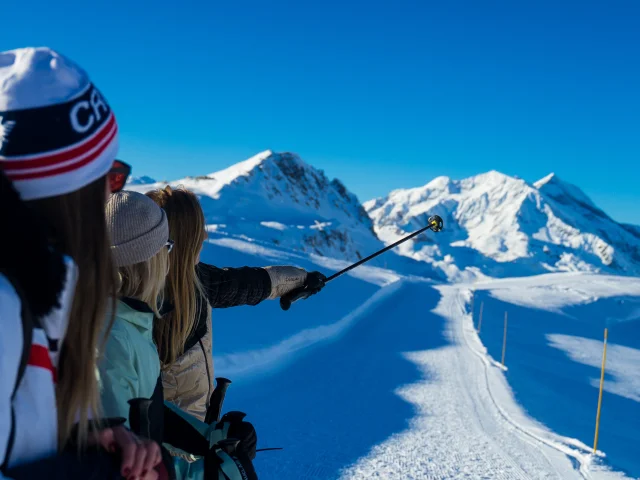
point(143, 180)
point(277, 198)
point(438, 183)
point(561, 191)
point(552, 177)
point(494, 177)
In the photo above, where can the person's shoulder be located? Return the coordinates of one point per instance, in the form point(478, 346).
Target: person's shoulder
point(10, 303)
point(10, 320)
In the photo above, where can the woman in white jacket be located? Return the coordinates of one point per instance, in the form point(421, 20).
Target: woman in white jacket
point(58, 141)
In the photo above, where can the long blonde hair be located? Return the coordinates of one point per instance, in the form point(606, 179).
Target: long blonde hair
point(77, 220)
point(187, 229)
point(145, 281)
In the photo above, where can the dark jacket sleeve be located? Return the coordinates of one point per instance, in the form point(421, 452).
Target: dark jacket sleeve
point(230, 287)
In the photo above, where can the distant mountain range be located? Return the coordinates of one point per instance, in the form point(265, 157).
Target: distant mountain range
point(495, 225)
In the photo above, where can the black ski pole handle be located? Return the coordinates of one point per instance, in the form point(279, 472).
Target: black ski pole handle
point(139, 420)
point(217, 399)
point(293, 296)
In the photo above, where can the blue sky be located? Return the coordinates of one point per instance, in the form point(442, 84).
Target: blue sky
point(380, 94)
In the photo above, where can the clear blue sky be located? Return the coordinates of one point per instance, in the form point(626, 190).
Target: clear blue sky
point(381, 94)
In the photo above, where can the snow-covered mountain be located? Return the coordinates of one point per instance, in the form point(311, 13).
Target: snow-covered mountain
point(279, 199)
point(500, 226)
point(144, 180)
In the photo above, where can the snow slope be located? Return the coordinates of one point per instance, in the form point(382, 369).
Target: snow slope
point(501, 226)
point(383, 376)
point(554, 354)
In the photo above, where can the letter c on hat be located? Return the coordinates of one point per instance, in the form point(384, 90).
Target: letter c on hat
point(75, 122)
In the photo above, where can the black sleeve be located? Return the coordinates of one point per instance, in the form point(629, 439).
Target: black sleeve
point(93, 465)
point(230, 287)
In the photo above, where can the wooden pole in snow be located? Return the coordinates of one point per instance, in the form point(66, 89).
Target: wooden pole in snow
point(504, 338)
point(604, 360)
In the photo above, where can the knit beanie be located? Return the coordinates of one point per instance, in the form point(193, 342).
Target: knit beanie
point(138, 227)
point(57, 132)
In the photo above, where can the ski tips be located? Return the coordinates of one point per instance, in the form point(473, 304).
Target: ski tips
point(436, 224)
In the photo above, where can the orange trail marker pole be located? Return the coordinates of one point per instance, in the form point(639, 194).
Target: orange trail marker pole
point(504, 339)
point(604, 360)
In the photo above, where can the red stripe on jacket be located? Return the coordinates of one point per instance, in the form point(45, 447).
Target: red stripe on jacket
point(39, 357)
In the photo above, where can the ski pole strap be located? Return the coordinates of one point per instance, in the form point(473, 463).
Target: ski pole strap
point(230, 469)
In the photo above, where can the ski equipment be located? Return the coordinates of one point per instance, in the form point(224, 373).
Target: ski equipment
point(435, 224)
point(217, 398)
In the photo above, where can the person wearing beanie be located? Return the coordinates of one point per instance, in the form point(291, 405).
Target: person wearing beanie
point(58, 145)
point(130, 367)
point(140, 247)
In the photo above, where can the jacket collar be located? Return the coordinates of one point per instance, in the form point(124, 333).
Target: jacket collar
point(138, 312)
point(137, 305)
point(135, 312)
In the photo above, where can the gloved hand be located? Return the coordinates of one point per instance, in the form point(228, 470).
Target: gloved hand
point(285, 279)
point(243, 431)
point(315, 282)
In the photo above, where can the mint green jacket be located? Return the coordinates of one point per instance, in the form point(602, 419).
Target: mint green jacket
point(130, 365)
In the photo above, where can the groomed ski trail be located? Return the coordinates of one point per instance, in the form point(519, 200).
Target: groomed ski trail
point(462, 428)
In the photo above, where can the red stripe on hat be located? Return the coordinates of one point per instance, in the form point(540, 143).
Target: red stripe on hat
point(49, 159)
point(39, 357)
point(66, 168)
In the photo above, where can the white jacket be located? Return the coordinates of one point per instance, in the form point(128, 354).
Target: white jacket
point(34, 406)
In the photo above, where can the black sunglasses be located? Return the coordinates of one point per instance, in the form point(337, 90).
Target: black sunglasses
point(118, 175)
point(169, 245)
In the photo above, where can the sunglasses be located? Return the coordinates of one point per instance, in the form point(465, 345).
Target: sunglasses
point(169, 245)
point(118, 175)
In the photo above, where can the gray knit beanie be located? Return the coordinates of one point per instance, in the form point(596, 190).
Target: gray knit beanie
point(138, 227)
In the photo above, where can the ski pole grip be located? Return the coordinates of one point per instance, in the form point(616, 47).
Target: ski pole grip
point(293, 296)
point(139, 420)
point(217, 399)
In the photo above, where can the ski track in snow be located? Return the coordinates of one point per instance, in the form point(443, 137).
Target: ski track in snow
point(468, 424)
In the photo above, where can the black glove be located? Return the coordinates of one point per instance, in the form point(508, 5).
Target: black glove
point(314, 282)
point(242, 431)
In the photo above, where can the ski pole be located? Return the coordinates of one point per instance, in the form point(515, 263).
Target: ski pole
point(139, 420)
point(435, 224)
point(217, 398)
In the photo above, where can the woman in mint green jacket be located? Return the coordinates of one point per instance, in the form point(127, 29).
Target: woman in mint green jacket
point(130, 367)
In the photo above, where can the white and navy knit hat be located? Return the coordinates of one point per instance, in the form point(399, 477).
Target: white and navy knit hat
point(57, 132)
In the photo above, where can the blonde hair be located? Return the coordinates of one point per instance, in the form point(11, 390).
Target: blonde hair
point(187, 229)
point(145, 281)
point(78, 224)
